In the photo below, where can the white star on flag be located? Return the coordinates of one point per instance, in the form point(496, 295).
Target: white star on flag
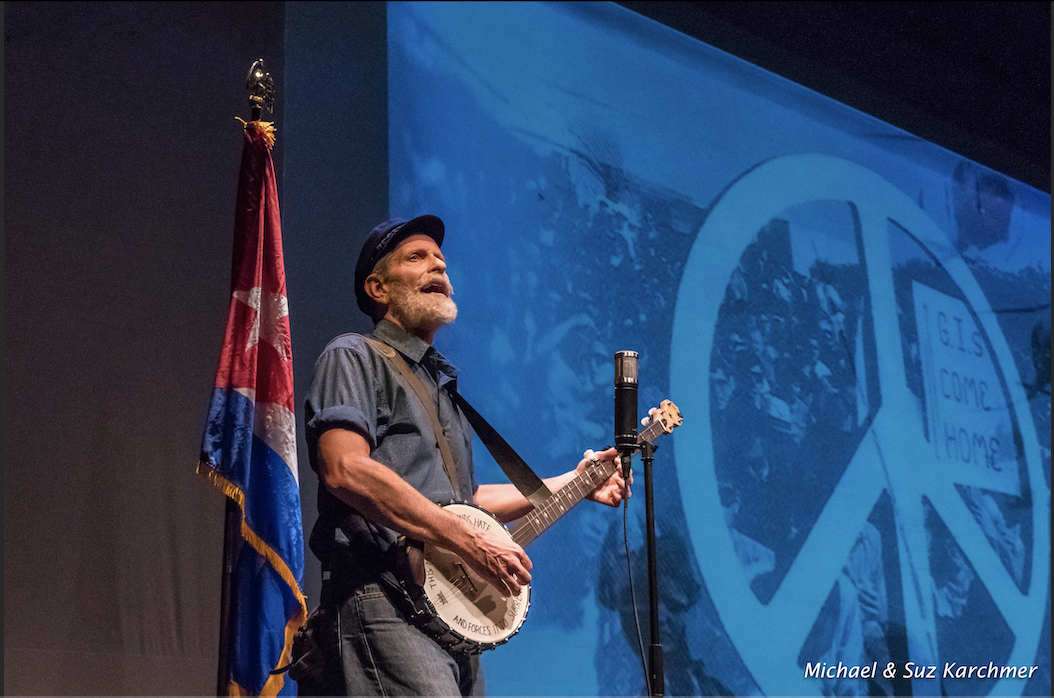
point(270, 309)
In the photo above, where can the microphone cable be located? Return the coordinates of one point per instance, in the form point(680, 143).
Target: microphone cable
point(633, 595)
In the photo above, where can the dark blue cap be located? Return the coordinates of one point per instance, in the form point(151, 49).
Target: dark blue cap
point(382, 240)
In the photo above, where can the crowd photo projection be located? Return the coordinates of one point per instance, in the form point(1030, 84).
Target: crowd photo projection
point(853, 322)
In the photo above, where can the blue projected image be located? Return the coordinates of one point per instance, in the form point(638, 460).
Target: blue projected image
point(854, 323)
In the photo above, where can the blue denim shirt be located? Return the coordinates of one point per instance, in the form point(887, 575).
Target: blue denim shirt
point(354, 387)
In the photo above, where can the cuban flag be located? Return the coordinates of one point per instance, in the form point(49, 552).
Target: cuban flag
point(249, 446)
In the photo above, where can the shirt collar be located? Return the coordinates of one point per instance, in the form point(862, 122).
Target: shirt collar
point(410, 346)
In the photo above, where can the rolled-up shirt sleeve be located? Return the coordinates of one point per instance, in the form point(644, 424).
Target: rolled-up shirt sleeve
point(355, 387)
point(340, 395)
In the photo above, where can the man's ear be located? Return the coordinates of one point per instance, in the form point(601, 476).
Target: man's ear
point(376, 289)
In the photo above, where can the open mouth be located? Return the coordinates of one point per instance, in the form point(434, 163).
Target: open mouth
point(435, 287)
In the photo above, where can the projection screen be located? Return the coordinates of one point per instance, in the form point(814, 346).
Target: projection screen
point(853, 322)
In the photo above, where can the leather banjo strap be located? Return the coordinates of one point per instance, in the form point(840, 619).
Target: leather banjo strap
point(418, 388)
point(518, 472)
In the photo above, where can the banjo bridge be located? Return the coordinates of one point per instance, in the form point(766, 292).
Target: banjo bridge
point(463, 582)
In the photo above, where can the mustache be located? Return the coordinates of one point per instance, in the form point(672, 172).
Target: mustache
point(435, 282)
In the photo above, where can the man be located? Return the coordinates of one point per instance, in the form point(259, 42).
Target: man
point(381, 474)
point(982, 203)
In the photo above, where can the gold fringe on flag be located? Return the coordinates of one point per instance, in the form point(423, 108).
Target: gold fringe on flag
point(276, 680)
point(233, 492)
point(265, 127)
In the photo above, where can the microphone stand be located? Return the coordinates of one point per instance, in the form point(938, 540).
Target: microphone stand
point(656, 676)
point(628, 440)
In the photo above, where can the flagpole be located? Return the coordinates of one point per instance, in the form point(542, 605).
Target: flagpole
point(231, 541)
point(261, 94)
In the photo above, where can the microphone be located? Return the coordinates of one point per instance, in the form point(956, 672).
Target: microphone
point(626, 405)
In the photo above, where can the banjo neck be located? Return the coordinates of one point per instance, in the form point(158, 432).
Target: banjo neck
point(562, 501)
point(662, 420)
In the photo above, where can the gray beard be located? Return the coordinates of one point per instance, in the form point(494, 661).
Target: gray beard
point(416, 310)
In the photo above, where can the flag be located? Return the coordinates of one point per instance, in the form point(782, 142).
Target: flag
point(249, 446)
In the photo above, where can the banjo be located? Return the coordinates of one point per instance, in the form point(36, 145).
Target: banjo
point(460, 610)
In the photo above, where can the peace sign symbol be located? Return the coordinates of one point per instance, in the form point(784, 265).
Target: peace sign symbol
point(906, 451)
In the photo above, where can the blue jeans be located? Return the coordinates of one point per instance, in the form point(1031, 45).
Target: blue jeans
point(384, 655)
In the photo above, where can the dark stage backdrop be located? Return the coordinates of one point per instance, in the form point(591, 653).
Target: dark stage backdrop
point(121, 155)
point(121, 163)
point(605, 185)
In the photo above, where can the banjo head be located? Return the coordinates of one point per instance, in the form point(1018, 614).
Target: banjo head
point(476, 614)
